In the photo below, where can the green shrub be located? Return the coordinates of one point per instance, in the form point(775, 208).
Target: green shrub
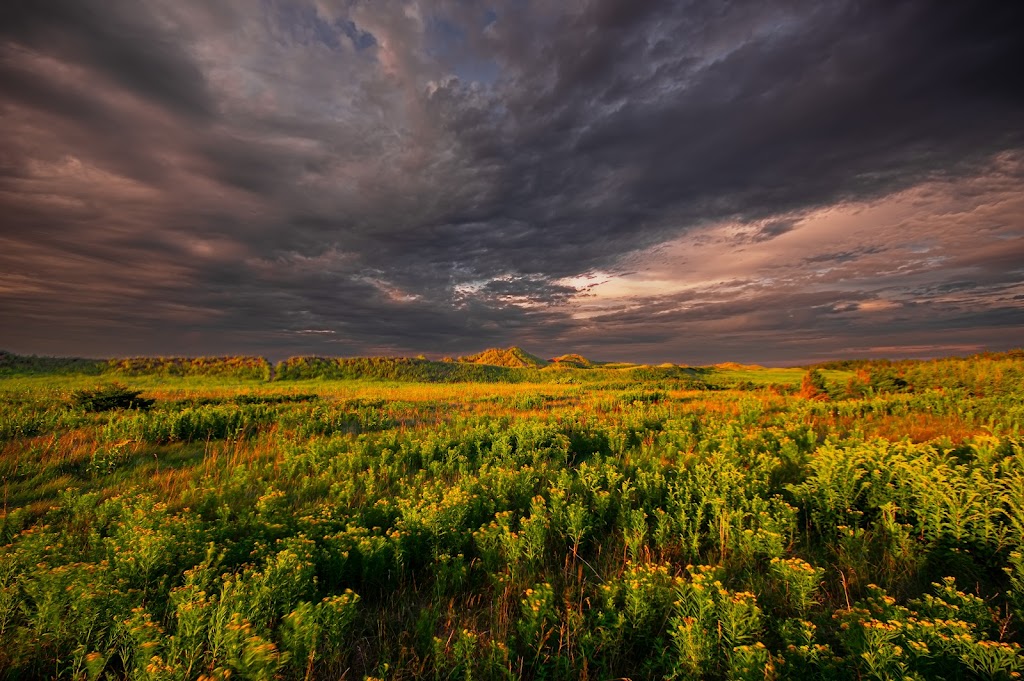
point(109, 397)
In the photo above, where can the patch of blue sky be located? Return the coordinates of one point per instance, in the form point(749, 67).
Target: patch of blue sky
point(304, 24)
point(449, 43)
point(361, 40)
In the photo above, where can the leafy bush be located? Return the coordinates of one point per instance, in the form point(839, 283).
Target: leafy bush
point(643, 396)
point(813, 386)
point(887, 380)
point(106, 398)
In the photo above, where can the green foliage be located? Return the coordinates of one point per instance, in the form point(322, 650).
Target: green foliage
point(106, 398)
point(188, 425)
point(800, 581)
point(813, 386)
point(315, 632)
point(393, 369)
point(715, 630)
point(946, 635)
point(25, 421)
point(980, 375)
point(21, 365)
point(629, 525)
point(256, 368)
point(643, 396)
point(887, 380)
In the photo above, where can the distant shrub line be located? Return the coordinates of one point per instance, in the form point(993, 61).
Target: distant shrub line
point(231, 367)
point(998, 374)
point(235, 367)
point(984, 375)
point(395, 369)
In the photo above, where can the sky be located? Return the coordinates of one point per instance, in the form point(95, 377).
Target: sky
point(635, 180)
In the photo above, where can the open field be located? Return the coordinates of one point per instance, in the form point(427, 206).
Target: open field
point(532, 520)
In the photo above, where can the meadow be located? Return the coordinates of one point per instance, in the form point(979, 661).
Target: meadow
point(407, 519)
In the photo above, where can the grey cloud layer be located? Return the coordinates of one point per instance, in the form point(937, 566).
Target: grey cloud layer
point(400, 176)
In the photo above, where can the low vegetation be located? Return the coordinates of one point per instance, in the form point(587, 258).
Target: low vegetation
point(384, 519)
point(109, 397)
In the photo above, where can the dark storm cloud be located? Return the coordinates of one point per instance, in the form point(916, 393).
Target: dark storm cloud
point(118, 42)
point(402, 176)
